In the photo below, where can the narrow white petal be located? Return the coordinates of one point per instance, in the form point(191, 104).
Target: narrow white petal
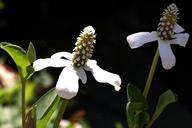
point(178, 29)
point(82, 75)
point(180, 39)
point(103, 76)
point(59, 55)
point(167, 57)
point(40, 64)
point(138, 39)
point(67, 85)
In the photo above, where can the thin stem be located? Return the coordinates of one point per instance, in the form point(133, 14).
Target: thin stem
point(23, 103)
point(150, 123)
point(23, 82)
point(60, 112)
point(151, 74)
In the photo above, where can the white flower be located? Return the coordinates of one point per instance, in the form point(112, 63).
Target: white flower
point(75, 65)
point(67, 123)
point(168, 32)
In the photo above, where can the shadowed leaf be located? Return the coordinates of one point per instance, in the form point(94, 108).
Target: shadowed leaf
point(137, 115)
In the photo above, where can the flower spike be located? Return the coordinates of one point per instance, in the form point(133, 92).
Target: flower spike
point(167, 23)
point(84, 47)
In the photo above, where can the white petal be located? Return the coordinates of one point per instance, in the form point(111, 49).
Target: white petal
point(178, 29)
point(138, 39)
point(103, 76)
point(67, 85)
point(180, 39)
point(40, 64)
point(82, 75)
point(167, 57)
point(66, 124)
point(59, 55)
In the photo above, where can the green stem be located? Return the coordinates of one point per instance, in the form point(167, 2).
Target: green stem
point(60, 112)
point(23, 82)
point(23, 103)
point(151, 74)
point(150, 123)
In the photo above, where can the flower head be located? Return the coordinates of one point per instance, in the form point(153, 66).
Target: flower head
point(168, 32)
point(84, 47)
point(75, 65)
point(168, 22)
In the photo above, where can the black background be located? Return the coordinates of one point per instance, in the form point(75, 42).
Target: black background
point(53, 26)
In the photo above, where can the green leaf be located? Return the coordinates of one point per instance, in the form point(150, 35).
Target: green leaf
point(45, 103)
point(137, 115)
point(30, 71)
point(18, 55)
point(118, 125)
point(45, 121)
point(31, 53)
point(31, 118)
point(165, 99)
point(61, 110)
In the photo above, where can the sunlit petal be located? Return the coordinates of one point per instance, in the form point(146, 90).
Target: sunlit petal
point(40, 64)
point(167, 57)
point(138, 39)
point(178, 29)
point(103, 76)
point(59, 55)
point(82, 75)
point(180, 39)
point(67, 85)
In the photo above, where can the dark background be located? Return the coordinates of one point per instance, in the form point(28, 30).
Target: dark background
point(53, 26)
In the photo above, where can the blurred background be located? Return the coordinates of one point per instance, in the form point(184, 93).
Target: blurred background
point(53, 26)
